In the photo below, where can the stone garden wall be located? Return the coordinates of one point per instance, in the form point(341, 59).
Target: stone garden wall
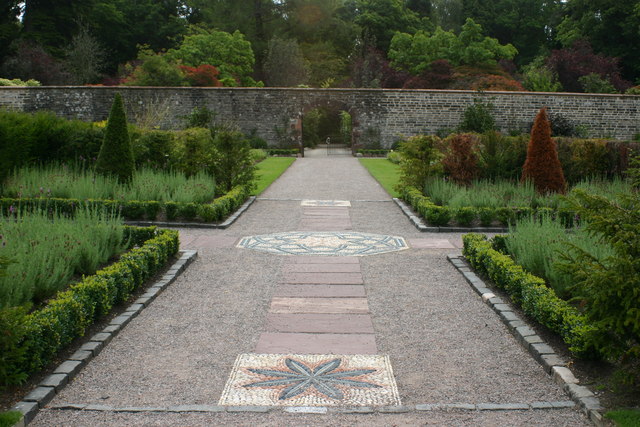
point(383, 114)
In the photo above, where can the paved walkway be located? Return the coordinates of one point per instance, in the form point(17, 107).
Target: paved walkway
point(342, 327)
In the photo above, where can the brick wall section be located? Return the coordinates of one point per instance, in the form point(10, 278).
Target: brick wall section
point(390, 112)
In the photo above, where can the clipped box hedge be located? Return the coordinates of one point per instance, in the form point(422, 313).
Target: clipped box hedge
point(437, 215)
point(532, 295)
point(217, 210)
point(283, 151)
point(32, 340)
point(373, 152)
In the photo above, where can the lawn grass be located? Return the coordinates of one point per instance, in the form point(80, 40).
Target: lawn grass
point(625, 418)
point(269, 170)
point(385, 172)
point(9, 418)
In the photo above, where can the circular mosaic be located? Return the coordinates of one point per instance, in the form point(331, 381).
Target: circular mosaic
point(326, 243)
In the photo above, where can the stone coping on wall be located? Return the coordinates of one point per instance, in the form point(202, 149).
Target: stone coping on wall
point(329, 90)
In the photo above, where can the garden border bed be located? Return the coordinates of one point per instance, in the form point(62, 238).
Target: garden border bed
point(226, 224)
point(145, 212)
point(68, 369)
point(420, 225)
point(40, 335)
point(441, 215)
point(553, 364)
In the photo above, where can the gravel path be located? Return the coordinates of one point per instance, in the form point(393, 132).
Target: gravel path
point(444, 343)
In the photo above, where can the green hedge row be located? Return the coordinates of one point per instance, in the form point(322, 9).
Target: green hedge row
point(138, 210)
point(30, 341)
point(372, 152)
point(531, 293)
point(437, 215)
point(283, 151)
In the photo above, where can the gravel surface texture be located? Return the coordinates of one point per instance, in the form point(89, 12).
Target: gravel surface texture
point(445, 344)
point(555, 418)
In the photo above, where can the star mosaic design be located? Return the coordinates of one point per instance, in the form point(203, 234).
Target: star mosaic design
point(324, 378)
point(310, 380)
point(343, 243)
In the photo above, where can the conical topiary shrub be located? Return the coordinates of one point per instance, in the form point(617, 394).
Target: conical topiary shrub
point(116, 156)
point(542, 166)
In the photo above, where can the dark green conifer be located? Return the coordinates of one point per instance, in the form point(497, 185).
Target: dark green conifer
point(116, 156)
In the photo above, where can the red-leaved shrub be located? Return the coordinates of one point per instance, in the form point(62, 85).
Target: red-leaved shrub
point(498, 83)
point(542, 165)
point(461, 161)
point(439, 75)
point(204, 75)
point(580, 60)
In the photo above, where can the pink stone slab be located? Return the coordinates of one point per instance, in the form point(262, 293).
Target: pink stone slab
point(322, 268)
point(323, 278)
point(315, 291)
point(283, 305)
point(322, 260)
point(320, 323)
point(430, 244)
point(278, 343)
point(326, 213)
point(214, 242)
point(326, 221)
point(325, 227)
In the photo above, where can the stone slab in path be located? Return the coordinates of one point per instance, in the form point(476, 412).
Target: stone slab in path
point(329, 212)
point(319, 305)
point(320, 323)
point(323, 224)
point(214, 242)
point(280, 343)
point(323, 260)
point(314, 291)
point(323, 278)
point(321, 268)
point(430, 244)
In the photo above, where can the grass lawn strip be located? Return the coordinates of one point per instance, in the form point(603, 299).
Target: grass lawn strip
point(625, 418)
point(385, 172)
point(269, 170)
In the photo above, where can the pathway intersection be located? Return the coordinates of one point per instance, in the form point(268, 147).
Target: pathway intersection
point(321, 305)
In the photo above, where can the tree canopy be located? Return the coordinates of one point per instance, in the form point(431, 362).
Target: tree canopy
point(394, 40)
point(415, 53)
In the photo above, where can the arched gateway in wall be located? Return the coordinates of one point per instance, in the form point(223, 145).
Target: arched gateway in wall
point(391, 113)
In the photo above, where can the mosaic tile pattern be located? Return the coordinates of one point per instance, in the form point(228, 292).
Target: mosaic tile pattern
point(332, 203)
point(311, 380)
point(325, 243)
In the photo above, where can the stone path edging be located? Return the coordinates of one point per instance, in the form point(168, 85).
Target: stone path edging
point(230, 220)
point(54, 383)
point(276, 199)
point(424, 407)
point(539, 350)
point(420, 225)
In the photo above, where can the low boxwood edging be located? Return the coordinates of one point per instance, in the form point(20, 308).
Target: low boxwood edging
point(283, 151)
point(31, 341)
point(437, 215)
point(372, 153)
point(531, 294)
point(217, 210)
